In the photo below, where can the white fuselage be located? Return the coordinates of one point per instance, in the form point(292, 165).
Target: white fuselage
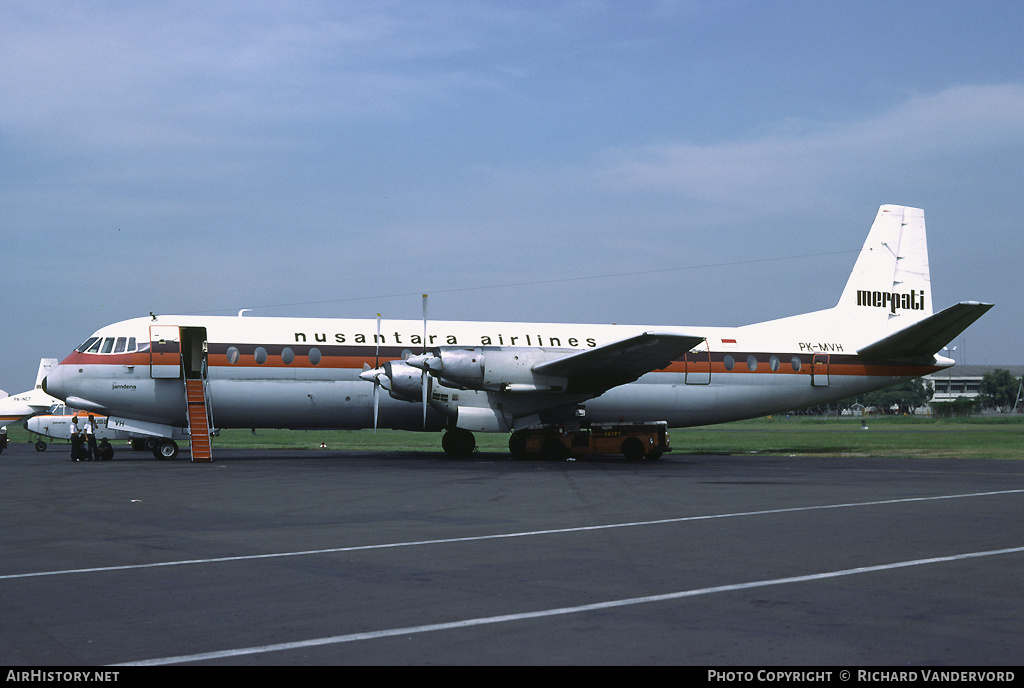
point(304, 373)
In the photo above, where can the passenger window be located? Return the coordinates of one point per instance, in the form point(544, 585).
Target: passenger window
point(751, 362)
point(314, 356)
point(232, 355)
point(261, 355)
point(773, 363)
point(729, 361)
point(796, 363)
point(287, 356)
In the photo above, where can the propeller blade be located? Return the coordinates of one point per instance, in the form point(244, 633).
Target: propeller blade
point(376, 402)
point(376, 355)
point(424, 323)
point(373, 375)
point(423, 375)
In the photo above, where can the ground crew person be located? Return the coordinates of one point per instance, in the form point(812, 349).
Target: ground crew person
point(90, 437)
point(76, 440)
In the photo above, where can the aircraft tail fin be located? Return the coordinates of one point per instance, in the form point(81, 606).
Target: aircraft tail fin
point(45, 366)
point(890, 286)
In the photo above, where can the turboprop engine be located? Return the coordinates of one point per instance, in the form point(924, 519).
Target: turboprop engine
point(492, 369)
point(402, 381)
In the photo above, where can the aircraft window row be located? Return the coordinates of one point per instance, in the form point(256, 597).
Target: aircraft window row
point(109, 345)
point(752, 363)
point(261, 356)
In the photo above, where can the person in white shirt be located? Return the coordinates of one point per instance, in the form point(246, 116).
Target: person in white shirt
point(90, 438)
point(76, 440)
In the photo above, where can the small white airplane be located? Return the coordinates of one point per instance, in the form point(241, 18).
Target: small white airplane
point(532, 380)
point(55, 423)
point(36, 400)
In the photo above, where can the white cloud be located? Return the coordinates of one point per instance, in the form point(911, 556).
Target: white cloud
point(795, 168)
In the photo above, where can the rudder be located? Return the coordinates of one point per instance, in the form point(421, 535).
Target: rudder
point(890, 286)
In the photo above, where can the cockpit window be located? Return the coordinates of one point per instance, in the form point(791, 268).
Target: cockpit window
point(110, 345)
point(85, 346)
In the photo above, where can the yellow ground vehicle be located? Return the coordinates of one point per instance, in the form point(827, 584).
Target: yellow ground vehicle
point(633, 440)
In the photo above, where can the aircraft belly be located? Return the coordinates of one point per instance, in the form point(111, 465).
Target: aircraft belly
point(311, 404)
point(287, 404)
point(665, 396)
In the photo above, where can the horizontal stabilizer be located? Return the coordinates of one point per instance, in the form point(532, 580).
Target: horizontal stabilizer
point(926, 337)
point(611, 365)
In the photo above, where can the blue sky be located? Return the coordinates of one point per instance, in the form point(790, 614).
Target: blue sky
point(699, 163)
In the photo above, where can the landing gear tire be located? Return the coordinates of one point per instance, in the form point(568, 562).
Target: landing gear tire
point(165, 450)
point(40, 445)
point(517, 445)
point(458, 443)
point(633, 449)
point(552, 449)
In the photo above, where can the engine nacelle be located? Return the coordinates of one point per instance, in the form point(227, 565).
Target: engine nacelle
point(404, 382)
point(492, 369)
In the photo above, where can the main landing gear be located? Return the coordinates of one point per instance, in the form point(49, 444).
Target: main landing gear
point(634, 441)
point(458, 443)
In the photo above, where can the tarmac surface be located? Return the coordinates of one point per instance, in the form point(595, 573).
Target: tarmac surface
point(344, 558)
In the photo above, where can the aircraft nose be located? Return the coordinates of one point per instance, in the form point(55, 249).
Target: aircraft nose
point(53, 382)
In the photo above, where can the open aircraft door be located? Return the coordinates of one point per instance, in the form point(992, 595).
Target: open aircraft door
point(819, 370)
point(698, 365)
point(164, 351)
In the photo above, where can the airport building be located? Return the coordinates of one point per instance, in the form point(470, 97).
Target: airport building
point(965, 380)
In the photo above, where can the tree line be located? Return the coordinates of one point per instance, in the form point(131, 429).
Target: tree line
point(998, 391)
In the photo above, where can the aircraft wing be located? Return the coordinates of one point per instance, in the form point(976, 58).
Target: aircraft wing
point(596, 370)
point(926, 338)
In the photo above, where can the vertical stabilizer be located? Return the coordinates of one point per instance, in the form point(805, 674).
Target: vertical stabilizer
point(890, 286)
point(45, 366)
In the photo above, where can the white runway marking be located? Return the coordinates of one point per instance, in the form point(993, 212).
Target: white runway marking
point(475, 538)
point(410, 630)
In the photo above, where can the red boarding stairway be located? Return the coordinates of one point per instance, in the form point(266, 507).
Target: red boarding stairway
point(198, 421)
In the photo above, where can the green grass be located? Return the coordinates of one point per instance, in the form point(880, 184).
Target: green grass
point(990, 438)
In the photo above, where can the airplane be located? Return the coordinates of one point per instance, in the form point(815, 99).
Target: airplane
point(526, 379)
point(18, 406)
point(55, 423)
